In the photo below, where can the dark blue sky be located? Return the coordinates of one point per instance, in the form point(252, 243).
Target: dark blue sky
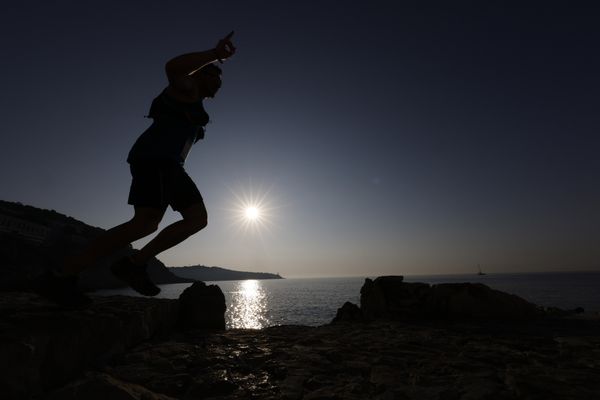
point(384, 138)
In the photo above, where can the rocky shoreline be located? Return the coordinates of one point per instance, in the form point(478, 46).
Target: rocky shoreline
point(136, 348)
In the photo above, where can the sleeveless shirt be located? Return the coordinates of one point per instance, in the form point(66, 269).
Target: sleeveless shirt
point(176, 127)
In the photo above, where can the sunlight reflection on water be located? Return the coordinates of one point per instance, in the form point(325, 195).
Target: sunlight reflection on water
point(248, 307)
point(314, 301)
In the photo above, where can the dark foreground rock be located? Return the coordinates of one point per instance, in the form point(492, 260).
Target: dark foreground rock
point(128, 348)
point(388, 297)
point(202, 306)
point(549, 359)
point(43, 346)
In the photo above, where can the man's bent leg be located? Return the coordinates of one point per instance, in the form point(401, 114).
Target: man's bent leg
point(194, 219)
point(144, 222)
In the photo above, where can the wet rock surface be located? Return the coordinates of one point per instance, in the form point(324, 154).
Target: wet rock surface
point(551, 359)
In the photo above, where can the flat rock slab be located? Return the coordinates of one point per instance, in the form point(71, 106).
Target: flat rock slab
point(43, 346)
point(550, 359)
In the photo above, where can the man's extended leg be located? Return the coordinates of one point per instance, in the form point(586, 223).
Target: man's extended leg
point(132, 270)
point(194, 219)
point(61, 286)
point(144, 222)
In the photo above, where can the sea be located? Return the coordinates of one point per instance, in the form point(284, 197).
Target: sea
point(257, 304)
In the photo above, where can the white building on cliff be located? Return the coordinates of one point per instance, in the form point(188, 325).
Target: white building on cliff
point(26, 229)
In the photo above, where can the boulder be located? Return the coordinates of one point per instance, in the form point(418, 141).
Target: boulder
point(478, 301)
point(202, 306)
point(389, 297)
point(349, 312)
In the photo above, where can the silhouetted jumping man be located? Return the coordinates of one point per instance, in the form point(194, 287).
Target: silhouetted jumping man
point(158, 180)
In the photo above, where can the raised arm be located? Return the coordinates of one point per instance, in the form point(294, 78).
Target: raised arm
point(187, 64)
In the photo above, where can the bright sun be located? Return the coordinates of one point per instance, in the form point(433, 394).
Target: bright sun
point(252, 213)
point(251, 210)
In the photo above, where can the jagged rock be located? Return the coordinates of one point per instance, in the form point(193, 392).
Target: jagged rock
point(475, 300)
point(202, 307)
point(349, 312)
point(390, 298)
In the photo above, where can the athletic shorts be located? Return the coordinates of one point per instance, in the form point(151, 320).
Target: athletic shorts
point(157, 185)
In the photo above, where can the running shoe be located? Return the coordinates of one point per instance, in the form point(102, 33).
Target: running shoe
point(135, 276)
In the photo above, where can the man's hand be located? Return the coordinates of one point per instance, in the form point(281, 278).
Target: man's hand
point(181, 67)
point(225, 48)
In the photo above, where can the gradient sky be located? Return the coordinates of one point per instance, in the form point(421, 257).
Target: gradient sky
point(385, 138)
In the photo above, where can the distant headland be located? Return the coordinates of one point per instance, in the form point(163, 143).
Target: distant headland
point(202, 273)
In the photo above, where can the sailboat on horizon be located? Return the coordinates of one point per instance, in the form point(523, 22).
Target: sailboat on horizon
point(480, 272)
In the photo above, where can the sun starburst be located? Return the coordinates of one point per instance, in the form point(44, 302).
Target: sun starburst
point(251, 209)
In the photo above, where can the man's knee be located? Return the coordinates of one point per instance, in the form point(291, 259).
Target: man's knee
point(146, 224)
point(196, 217)
point(197, 222)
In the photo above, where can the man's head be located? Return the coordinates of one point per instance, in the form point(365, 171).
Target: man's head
point(209, 79)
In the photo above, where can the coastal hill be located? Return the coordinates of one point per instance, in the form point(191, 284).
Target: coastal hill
point(32, 239)
point(202, 273)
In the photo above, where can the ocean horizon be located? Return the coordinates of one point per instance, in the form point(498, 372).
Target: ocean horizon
point(256, 304)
